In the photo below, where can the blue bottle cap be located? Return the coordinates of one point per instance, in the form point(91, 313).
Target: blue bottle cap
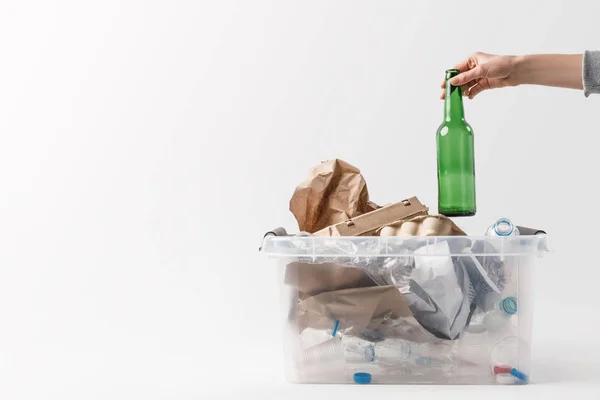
point(509, 305)
point(519, 375)
point(362, 378)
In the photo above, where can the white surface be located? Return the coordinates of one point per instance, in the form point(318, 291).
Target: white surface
point(147, 146)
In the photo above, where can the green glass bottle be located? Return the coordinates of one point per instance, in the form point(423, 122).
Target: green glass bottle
point(455, 156)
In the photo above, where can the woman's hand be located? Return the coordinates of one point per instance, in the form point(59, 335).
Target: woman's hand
point(483, 71)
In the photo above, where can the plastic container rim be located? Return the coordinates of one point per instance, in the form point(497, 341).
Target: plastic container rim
point(401, 246)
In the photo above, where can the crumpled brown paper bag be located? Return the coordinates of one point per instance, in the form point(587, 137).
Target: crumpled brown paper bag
point(313, 279)
point(334, 192)
point(359, 307)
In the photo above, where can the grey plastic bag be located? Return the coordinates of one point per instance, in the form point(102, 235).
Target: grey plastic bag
point(440, 293)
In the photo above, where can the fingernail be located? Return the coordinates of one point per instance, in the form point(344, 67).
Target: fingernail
point(454, 81)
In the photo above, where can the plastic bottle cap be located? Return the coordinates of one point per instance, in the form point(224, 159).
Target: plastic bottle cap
point(519, 375)
point(364, 378)
point(505, 379)
point(509, 305)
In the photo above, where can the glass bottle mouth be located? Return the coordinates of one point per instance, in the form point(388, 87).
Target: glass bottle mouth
point(451, 73)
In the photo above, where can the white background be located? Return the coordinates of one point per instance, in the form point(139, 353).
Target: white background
point(148, 145)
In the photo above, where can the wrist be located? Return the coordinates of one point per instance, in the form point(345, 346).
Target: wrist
point(519, 67)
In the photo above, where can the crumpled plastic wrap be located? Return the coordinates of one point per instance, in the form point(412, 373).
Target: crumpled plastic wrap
point(440, 291)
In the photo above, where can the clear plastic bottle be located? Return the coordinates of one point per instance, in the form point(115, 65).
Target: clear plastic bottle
point(399, 352)
point(503, 228)
point(499, 317)
point(332, 357)
point(322, 362)
point(389, 351)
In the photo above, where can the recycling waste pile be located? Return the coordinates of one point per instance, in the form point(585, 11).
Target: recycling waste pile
point(392, 294)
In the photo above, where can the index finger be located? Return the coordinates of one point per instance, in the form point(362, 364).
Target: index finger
point(461, 66)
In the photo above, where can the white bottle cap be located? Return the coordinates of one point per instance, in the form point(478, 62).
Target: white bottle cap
point(505, 379)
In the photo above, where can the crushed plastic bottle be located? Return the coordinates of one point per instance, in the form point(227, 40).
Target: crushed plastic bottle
point(496, 319)
point(324, 361)
point(395, 353)
point(495, 266)
point(390, 351)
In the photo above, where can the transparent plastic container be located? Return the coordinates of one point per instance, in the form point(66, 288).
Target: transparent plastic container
point(407, 310)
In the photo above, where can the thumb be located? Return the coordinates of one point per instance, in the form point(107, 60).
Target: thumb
point(468, 76)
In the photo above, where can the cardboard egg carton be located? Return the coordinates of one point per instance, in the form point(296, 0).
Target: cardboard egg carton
point(423, 225)
point(371, 222)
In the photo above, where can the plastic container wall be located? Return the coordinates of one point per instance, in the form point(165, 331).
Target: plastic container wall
point(441, 310)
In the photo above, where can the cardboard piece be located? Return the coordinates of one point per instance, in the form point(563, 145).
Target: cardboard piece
point(334, 192)
point(359, 308)
point(427, 225)
point(313, 279)
point(369, 223)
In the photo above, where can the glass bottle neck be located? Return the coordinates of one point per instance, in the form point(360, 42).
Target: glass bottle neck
point(453, 103)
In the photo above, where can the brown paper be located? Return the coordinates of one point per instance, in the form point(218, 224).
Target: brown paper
point(369, 223)
point(429, 225)
point(334, 192)
point(313, 279)
point(358, 308)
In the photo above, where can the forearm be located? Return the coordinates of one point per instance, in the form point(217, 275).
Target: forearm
point(559, 70)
